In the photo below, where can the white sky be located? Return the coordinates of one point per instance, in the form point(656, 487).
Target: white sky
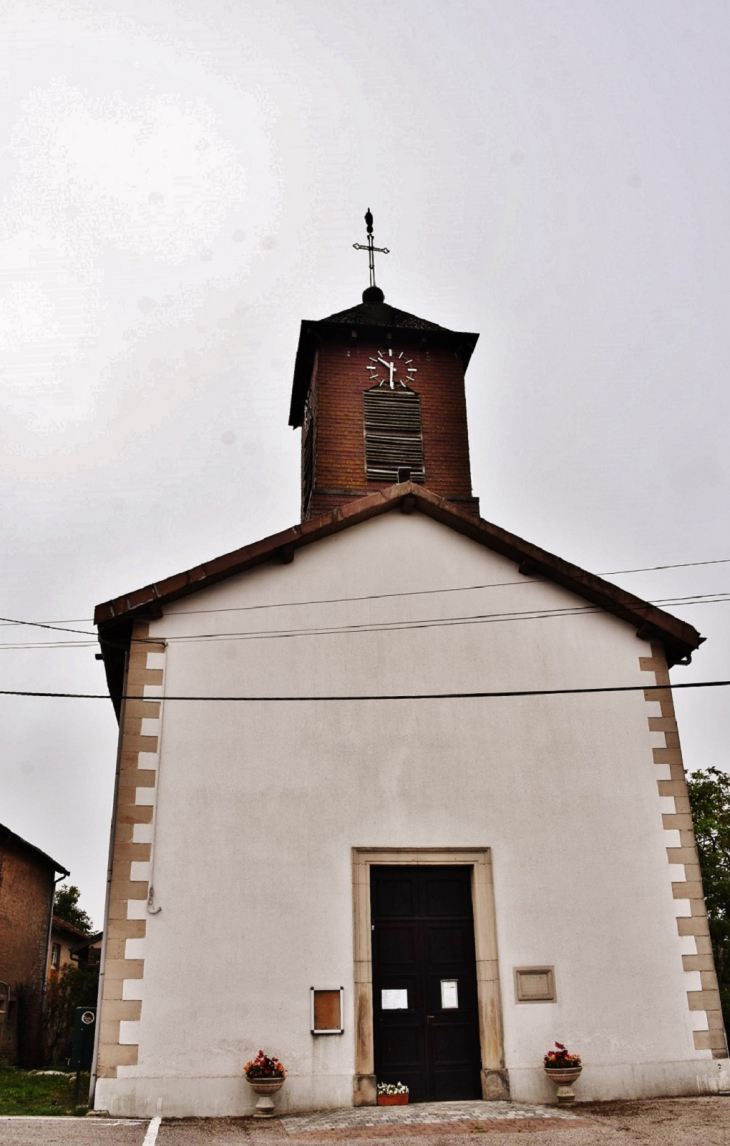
point(182, 182)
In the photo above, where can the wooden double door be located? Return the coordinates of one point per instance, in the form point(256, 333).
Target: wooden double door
point(426, 1022)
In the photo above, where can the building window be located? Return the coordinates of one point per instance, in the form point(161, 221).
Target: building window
point(55, 956)
point(393, 437)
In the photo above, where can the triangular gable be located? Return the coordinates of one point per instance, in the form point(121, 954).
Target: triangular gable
point(114, 618)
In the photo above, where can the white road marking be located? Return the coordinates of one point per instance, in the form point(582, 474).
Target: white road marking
point(69, 1118)
point(151, 1136)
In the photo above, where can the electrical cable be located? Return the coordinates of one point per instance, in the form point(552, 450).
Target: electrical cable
point(385, 696)
point(425, 623)
point(6, 621)
point(57, 628)
point(719, 597)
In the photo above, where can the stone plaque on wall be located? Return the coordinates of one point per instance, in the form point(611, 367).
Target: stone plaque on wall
point(535, 985)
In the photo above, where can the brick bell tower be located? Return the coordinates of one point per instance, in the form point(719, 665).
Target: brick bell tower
point(379, 395)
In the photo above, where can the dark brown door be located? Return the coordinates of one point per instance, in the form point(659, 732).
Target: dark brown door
point(424, 981)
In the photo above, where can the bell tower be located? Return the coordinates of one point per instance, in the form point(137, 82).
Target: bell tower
point(379, 395)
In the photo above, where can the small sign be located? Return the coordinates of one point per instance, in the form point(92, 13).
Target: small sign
point(535, 984)
point(449, 994)
point(327, 1010)
point(394, 1000)
point(82, 1047)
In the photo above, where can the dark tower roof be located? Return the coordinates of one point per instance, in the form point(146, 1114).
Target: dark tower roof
point(380, 313)
point(374, 318)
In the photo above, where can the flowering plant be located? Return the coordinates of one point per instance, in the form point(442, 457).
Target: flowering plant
point(561, 1058)
point(264, 1067)
point(392, 1088)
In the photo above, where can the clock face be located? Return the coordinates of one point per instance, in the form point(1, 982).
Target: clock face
point(392, 368)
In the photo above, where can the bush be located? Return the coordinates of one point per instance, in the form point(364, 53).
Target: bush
point(75, 985)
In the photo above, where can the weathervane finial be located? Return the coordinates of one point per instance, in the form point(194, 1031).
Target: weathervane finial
point(371, 249)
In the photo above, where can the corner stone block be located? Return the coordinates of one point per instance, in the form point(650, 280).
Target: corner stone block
point(495, 1086)
point(364, 1090)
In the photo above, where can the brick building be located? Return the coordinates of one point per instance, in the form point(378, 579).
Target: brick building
point(27, 884)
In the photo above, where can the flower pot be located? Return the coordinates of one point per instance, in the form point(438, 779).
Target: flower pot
point(392, 1100)
point(564, 1077)
point(265, 1087)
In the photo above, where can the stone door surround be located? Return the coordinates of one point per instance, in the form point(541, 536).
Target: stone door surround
point(495, 1081)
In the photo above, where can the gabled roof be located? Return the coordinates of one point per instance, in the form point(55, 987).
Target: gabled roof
point(8, 837)
point(374, 320)
point(63, 925)
point(114, 618)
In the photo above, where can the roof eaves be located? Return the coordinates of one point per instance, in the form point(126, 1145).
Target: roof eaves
point(383, 316)
point(237, 561)
point(680, 638)
point(7, 835)
point(89, 941)
point(64, 925)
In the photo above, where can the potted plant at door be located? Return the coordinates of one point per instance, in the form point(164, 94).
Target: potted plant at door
point(265, 1075)
point(392, 1094)
point(563, 1068)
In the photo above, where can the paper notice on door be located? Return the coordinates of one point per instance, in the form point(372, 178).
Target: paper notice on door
point(449, 995)
point(394, 1000)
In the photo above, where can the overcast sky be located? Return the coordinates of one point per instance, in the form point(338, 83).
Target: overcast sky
point(182, 183)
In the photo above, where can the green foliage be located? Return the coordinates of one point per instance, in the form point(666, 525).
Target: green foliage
point(66, 906)
point(709, 796)
point(40, 1095)
point(75, 985)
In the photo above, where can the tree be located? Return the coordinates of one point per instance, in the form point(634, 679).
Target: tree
point(66, 906)
point(75, 985)
point(709, 797)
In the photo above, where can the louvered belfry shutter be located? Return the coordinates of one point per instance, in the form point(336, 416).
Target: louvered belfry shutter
point(393, 437)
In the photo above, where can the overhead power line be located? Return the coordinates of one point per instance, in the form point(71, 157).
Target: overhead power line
point(423, 623)
point(721, 597)
point(7, 621)
point(380, 696)
point(55, 626)
point(654, 568)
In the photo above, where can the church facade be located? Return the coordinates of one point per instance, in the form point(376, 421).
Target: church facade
point(400, 796)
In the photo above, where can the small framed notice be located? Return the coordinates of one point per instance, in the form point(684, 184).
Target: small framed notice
point(449, 994)
point(394, 1000)
point(327, 1010)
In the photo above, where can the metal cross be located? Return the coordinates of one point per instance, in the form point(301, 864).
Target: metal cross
point(370, 248)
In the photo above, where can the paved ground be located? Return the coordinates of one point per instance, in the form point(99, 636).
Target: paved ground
point(660, 1122)
point(71, 1132)
point(423, 1119)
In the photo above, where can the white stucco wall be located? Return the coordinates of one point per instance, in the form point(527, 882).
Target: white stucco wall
point(259, 805)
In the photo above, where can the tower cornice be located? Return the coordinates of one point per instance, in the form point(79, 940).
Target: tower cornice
point(374, 322)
